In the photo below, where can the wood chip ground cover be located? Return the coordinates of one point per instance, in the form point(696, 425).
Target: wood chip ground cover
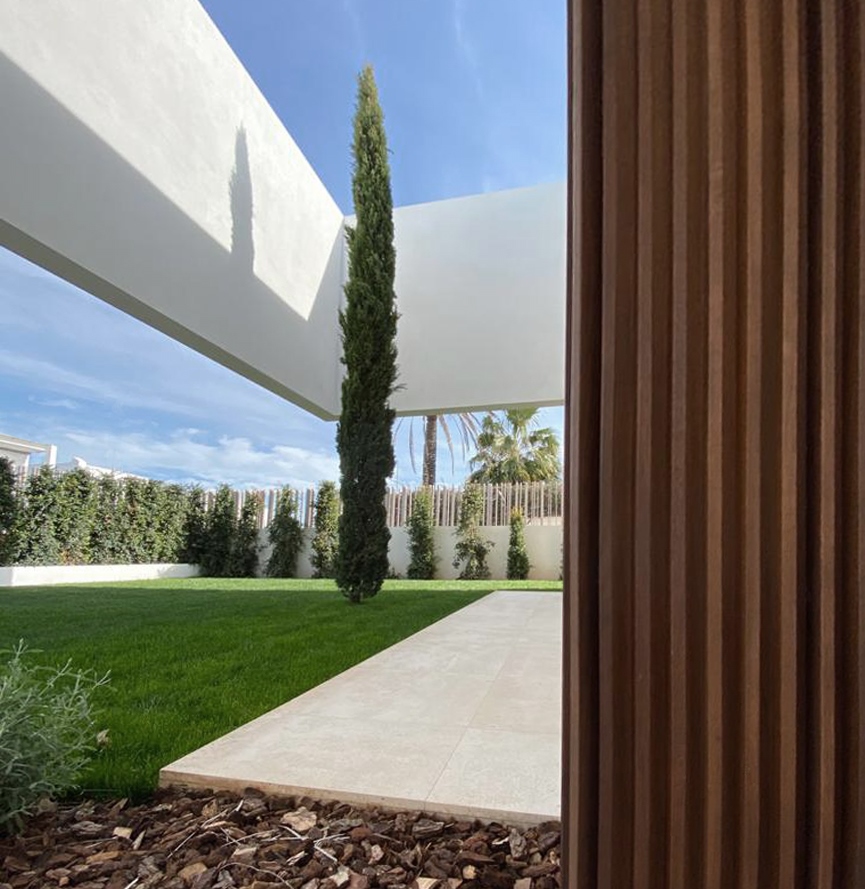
point(201, 840)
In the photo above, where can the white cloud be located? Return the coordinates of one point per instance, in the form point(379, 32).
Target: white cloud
point(350, 9)
point(184, 457)
point(189, 386)
point(64, 345)
point(467, 48)
point(47, 375)
point(65, 403)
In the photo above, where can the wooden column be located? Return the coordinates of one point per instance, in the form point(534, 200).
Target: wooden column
point(714, 702)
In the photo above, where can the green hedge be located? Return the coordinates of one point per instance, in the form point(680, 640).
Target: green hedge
point(74, 518)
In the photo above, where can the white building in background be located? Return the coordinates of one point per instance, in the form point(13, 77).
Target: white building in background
point(95, 471)
point(29, 456)
point(21, 453)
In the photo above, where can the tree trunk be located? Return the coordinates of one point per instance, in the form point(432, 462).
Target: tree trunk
point(430, 436)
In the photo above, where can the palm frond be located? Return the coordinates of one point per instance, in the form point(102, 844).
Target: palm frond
point(445, 428)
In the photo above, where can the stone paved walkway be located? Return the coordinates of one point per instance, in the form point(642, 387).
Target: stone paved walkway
point(463, 718)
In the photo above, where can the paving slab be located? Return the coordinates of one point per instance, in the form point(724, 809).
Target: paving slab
point(463, 718)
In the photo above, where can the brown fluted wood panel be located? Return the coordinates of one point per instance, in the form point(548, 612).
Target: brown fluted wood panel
point(715, 559)
point(580, 556)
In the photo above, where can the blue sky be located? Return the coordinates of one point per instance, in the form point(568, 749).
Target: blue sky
point(473, 93)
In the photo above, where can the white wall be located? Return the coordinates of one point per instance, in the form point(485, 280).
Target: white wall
point(543, 542)
point(48, 575)
point(141, 163)
point(480, 287)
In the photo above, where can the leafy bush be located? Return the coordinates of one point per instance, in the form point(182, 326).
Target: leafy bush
point(518, 556)
point(137, 514)
point(195, 528)
point(216, 558)
point(170, 523)
point(286, 535)
point(471, 547)
point(244, 546)
point(38, 507)
point(8, 512)
point(325, 542)
point(47, 732)
point(74, 512)
point(76, 518)
point(420, 538)
point(108, 543)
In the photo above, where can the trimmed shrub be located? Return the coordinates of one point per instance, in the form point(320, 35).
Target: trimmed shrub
point(194, 527)
point(47, 732)
point(325, 541)
point(107, 533)
point(74, 516)
point(152, 507)
point(471, 548)
point(216, 557)
point(170, 523)
point(8, 512)
point(244, 546)
point(518, 555)
point(286, 535)
point(420, 537)
point(38, 506)
point(135, 517)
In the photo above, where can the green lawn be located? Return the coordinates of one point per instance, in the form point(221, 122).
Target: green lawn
point(193, 659)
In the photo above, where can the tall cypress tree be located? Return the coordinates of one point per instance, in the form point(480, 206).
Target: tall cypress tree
point(368, 325)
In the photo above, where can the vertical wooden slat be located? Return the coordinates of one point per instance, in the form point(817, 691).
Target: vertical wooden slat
point(618, 383)
point(824, 575)
point(787, 855)
point(687, 505)
point(580, 679)
point(721, 556)
point(857, 825)
point(683, 116)
point(752, 580)
point(652, 479)
point(850, 729)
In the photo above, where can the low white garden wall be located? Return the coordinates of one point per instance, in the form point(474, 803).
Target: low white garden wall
point(543, 542)
point(46, 575)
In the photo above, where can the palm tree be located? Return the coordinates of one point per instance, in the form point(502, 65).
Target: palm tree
point(512, 449)
point(466, 426)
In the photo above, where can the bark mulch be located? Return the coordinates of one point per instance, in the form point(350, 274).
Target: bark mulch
point(185, 839)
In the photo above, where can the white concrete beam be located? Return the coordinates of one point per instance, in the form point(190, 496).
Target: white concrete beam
point(139, 161)
point(480, 285)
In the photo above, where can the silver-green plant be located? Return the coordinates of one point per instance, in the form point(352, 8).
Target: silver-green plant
point(47, 732)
